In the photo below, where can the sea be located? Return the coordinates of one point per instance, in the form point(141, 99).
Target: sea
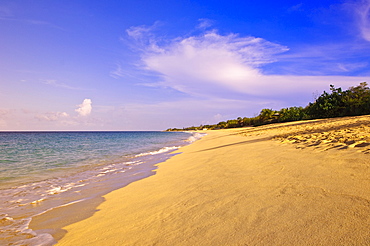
point(41, 172)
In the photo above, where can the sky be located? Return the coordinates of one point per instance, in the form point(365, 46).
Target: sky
point(155, 64)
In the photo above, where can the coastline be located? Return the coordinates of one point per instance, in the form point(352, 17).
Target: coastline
point(239, 186)
point(33, 213)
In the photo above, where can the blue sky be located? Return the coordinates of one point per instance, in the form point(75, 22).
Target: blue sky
point(152, 65)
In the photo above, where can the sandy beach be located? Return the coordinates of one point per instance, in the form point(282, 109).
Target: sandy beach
point(298, 183)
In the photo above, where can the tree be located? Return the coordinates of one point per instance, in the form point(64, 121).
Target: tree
point(338, 103)
point(266, 114)
point(328, 104)
point(232, 123)
point(292, 114)
point(357, 100)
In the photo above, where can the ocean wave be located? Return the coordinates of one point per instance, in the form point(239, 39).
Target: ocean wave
point(30, 199)
point(162, 150)
point(18, 231)
point(195, 136)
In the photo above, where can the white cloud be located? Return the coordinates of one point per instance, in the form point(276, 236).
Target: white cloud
point(210, 62)
point(225, 65)
point(52, 116)
point(226, 76)
point(34, 119)
point(85, 108)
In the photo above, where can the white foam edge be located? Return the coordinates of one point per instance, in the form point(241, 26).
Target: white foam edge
point(60, 206)
point(162, 150)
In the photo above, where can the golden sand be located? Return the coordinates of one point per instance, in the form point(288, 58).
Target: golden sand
point(247, 187)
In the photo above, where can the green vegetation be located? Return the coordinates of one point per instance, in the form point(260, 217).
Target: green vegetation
point(336, 103)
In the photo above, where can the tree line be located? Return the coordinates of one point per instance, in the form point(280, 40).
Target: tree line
point(335, 103)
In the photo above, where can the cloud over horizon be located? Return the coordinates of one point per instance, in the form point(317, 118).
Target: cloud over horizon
point(216, 65)
point(62, 119)
point(211, 62)
point(52, 116)
point(172, 68)
point(85, 108)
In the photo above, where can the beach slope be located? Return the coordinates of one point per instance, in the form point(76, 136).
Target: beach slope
point(282, 184)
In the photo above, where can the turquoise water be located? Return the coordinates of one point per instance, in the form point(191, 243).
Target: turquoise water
point(41, 171)
point(27, 155)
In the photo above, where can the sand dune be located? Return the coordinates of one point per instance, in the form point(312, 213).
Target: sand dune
point(282, 184)
point(323, 134)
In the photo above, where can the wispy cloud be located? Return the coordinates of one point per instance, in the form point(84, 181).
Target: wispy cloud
point(144, 37)
point(117, 72)
point(55, 83)
point(362, 10)
point(137, 32)
point(30, 22)
point(210, 61)
point(120, 72)
point(218, 65)
point(341, 58)
point(296, 8)
point(347, 67)
point(204, 23)
point(7, 14)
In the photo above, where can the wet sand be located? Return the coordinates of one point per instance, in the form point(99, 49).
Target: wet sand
point(300, 183)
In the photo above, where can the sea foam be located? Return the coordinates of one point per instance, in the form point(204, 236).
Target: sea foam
point(83, 164)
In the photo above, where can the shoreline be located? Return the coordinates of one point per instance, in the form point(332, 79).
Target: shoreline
point(53, 220)
point(34, 213)
point(238, 186)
